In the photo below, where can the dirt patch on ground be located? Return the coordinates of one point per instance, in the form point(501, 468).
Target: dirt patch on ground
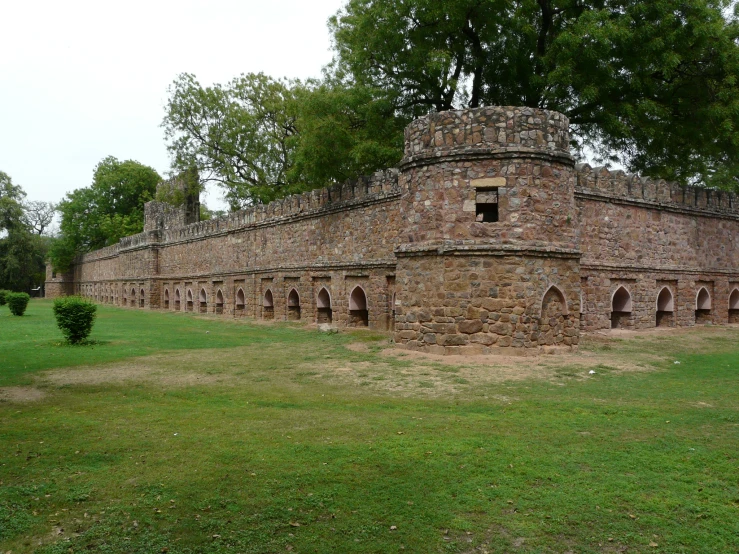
point(21, 394)
point(176, 370)
point(376, 366)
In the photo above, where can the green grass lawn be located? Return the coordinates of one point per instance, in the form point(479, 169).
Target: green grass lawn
point(179, 433)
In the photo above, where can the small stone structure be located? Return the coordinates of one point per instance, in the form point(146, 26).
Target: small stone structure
point(486, 236)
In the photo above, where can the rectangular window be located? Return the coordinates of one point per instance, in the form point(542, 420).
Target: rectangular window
point(486, 204)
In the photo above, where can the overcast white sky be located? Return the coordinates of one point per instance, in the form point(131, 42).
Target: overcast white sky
point(83, 80)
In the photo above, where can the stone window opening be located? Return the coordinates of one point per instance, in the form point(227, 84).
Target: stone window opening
point(240, 302)
point(53, 274)
point(621, 306)
point(219, 302)
point(177, 299)
point(665, 308)
point(324, 314)
point(188, 301)
point(268, 305)
point(166, 299)
point(734, 306)
point(392, 312)
point(133, 298)
point(293, 305)
point(553, 319)
point(203, 301)
point(703, 306)
point(358, 313)
point(486, 205)
point(141, 299)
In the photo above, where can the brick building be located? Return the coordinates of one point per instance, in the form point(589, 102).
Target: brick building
point(487, 235)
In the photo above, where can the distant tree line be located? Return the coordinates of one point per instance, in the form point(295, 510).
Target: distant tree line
point(24, 238)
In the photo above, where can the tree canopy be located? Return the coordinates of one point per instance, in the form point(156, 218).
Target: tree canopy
point(652, 85)
point(108, 210)
point(22, 250)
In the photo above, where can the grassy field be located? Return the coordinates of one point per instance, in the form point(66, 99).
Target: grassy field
point(180, 433)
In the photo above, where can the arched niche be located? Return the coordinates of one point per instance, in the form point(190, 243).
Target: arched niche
point(553, 318)
point(141, 298)
point(240, 302)
point(324, 313)
point(358, 312)
point(268, 305)
point(293, 305)
point(734, 306)
point(188, 301)
point(203, 301)
point(133, 297)
point(166, 299)
point(665, 308)
point(219, 302)
point(177, 299)
point(703, 306)
point(621, 306)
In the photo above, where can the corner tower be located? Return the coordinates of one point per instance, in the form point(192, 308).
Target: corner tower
point(489, 253)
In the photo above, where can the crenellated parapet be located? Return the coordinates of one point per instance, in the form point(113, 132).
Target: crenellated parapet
point(616, 185)
point(379, 186)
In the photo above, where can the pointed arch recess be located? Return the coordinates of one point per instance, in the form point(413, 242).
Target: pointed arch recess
point(553, 318)
point(219, 302)
point(665, 308)
point(703, 306)
point(166, 298)
point(141, 299)
point(293, 305)
point(358, 312)
point(734, 306)
point(177, 298)
point(202, 301)
point(554, 293)
point(240, 303)
point(268, 305)
point(188, 301)
point(621, 307)
point(324, 313)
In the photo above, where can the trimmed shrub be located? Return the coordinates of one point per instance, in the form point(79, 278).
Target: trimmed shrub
point(17, 302)
point(3, 294)
point(74, 316)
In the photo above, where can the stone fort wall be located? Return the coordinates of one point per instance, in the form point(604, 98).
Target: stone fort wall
point(486, 236)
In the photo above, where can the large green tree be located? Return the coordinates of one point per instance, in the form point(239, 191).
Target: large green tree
point(237, 135)
point(103, 213)
point(22, 251)
point(652, 84)
point(259, 138)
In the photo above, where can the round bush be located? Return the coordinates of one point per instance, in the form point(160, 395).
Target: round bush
point(3, 294)
point(74, 316)
point(17, 302)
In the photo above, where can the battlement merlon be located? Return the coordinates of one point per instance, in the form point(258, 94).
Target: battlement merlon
point(616, 184)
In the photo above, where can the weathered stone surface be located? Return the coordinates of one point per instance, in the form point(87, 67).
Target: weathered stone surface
point(406, 250)
point(470, 326)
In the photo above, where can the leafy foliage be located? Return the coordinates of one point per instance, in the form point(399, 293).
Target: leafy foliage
point(110, 209)
point(237, 135)
point(22, 250)
point(652, 84)
point(3, 299)
point(17, 302)
point(74, 316)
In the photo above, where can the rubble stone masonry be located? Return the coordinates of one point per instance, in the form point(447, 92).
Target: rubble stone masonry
point(486, 236)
